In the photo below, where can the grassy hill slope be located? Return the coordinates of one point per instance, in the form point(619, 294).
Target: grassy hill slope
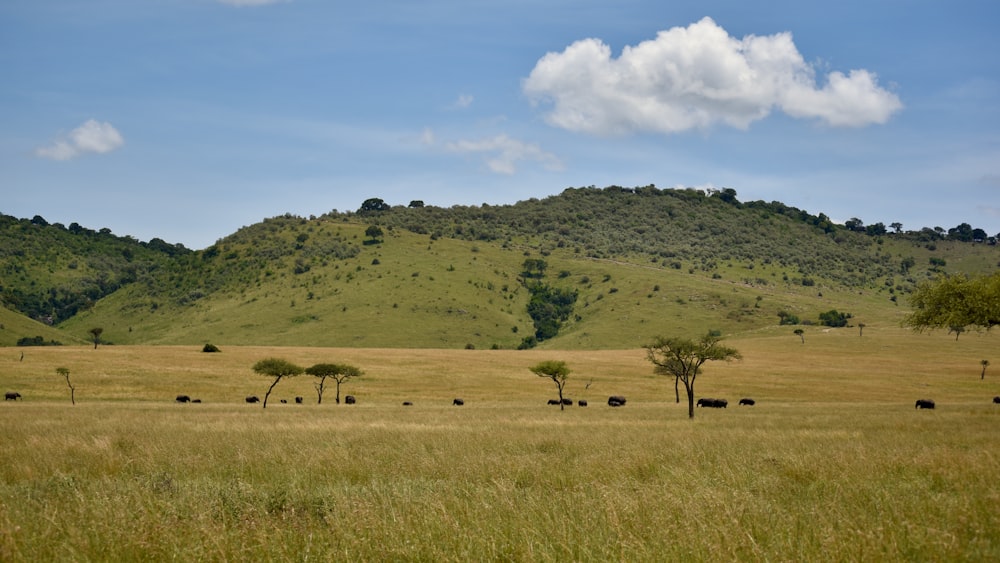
point(641, 262)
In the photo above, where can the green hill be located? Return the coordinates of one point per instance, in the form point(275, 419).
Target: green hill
point(638, 261)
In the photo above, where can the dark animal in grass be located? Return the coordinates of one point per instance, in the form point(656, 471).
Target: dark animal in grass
point(298, 400)
point(253, 399)
point(924, 404)
point(195, 400)
point(553, 401)
point(350, 400)
point(183, 399)
point(616, 401)
point(714, 403)
point(567, 402)
point(996, 400)
point(748, 402)
point(11, 396)
point(284, 401)
point(582, 402)
point(458, 402)
point(407, 404)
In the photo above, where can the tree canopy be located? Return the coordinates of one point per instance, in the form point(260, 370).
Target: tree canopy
point(956, 301)
point(557, 371)
point(682, 358)
point(276, 368)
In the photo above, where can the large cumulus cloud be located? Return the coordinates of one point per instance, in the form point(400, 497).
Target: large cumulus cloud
point(696, 77)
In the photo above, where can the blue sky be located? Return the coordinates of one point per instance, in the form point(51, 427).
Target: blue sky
point(188, 119)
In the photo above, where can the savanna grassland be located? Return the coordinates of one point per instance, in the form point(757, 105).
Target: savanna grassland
point(832, 464)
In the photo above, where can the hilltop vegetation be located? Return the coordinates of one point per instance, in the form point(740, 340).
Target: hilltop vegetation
point(620, 265)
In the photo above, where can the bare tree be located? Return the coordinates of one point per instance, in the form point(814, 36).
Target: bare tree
point(72, 390)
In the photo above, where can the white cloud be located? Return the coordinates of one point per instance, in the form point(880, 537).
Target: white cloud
point(92, 136)
point(505, 153)
point(695, 77)
point(463, 101)
point(251, 2)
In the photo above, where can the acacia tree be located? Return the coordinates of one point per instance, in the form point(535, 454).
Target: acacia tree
point(985, 364)
point(683, 358)
point(338, 372)
point(956, 301)
point(802, 334)
point(558, 372)
point(276, 368)
point(72, 390)
point(95, 334)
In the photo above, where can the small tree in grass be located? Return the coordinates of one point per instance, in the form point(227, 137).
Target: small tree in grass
point(95, 334)
point(558, 372)
point(985, 364)
point(801, 334)
point(338, 372)
point(72, 390)
point(683, 358)
point(276, 368)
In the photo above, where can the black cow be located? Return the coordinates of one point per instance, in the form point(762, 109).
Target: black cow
point(253, 399)
point(350, 400)
point(458, 402)
point(11, 396)
point(748, 402)
point(407, 404)
point(183, 399)
point(996, 400)
point(284, 401)
point(616, 401)
point(195, 400)
point(298, 400)
point(553, 401)
point(924, 404)
point(568, 402)
point(714, 403)
point(582, 402)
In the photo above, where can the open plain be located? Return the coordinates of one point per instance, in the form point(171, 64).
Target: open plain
point(833, 463)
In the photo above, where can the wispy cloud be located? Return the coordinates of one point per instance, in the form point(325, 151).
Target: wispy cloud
point(695, 77)
point(504, 153)
point(463, 101)
point(91, 137)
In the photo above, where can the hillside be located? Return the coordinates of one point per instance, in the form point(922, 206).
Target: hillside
point(639, 262)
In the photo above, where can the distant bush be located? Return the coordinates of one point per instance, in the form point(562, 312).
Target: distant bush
point(37, 341)
point(210, 348)
point(834, 318)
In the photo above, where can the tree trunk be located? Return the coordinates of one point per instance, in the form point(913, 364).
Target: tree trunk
point(690, 394)
point(269, 389)
point(677, 391)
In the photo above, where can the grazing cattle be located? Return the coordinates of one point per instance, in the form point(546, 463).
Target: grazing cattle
point(748, 402)
point(553, 401)
point(350, 400)
point(714, 403)
point(284, 401)
point(924, 404)
point(996, 400)
point(298, 400)
point(195, 400)
point(11, 396)
point(183, 399)
point(407, 404)
point(582, 402)
point(568, 402)
point(253, 399)
point(616, 401)
point(458, 402)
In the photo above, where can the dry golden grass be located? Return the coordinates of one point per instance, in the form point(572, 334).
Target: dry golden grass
point(833, 463)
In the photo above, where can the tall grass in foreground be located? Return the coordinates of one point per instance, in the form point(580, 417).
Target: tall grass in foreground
point(119, 481)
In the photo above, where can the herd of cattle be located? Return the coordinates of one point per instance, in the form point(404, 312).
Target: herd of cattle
point(613, 401)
